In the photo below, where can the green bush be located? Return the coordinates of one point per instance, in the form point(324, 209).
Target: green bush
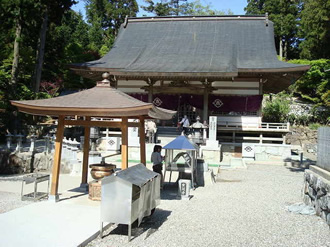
point(314, 85)
point(276, 109)
point(314, 126)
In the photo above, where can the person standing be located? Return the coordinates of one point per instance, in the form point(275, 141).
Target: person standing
point(151, 131)
point(185, 124)
point(157, 162)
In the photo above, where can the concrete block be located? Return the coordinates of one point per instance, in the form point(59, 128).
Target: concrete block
point(248, 150)
point(211, 156)
point(261, 156)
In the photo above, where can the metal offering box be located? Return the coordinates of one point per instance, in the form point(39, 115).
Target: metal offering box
point(129, 195)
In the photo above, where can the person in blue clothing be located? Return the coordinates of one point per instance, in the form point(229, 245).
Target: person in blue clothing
point(185, 124)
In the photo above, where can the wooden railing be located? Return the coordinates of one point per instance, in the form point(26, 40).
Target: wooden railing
point(254, 126)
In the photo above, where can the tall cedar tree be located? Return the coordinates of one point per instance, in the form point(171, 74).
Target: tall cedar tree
point(52, 11)
point(315, 29)
point(106, 16)
point(285, 15)
point(180, 7)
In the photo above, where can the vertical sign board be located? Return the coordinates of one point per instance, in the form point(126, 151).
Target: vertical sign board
point(133, 136)
point(323, 147)
point(213, 128)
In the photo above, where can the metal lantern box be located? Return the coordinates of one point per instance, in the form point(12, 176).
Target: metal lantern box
point(181, 156)
point(129, 195)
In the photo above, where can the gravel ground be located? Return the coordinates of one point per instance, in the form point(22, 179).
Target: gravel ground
point(10, 201)
point(245, 208)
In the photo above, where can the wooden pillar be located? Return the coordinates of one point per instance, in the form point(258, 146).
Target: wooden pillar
point(150, 93)
point(206, 104)
point(57, 160)
point(124, 143)
point(151, 83)
point(84, 175)
point(142, 141)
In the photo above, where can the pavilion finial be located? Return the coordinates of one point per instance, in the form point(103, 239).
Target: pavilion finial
point(105, 82)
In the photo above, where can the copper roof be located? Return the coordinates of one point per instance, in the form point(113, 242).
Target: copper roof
point(100, 101)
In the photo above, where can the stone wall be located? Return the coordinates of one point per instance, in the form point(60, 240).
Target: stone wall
point(27, 162)
point(265, 152)
point(304, 137)
point(316, 191)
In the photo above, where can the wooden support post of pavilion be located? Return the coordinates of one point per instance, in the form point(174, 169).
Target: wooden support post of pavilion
point(124, 143)
point(85, 154)
point(142, 141)
point(57, 160)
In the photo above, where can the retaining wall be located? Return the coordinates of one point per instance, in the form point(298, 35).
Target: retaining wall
point(316, 191)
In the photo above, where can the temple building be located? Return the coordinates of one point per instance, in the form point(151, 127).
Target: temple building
point(196, 65)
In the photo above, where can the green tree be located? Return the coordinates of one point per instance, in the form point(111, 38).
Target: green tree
point(52, 11)
point(285, 15)
point(105, 18)
point(157, 8)
point(315, 29)
point(197, 8)
point(314, 85)
point(174, 7)
point(13, 14)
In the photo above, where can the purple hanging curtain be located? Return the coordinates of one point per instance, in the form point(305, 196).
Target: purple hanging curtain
point(167, 101)
point(140, 96)
point(220, 103)
point(235, 103)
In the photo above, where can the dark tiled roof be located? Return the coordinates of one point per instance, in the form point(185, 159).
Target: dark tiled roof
point(201, 46)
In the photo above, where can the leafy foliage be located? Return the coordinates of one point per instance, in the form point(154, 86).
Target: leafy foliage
point(105, 17)
point(276, 109)
point(314, 85)
point(284, 14)
point(302, 25)
point(315, 29)
point(181, 7)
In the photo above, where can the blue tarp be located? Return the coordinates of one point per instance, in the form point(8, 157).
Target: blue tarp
point(181, 143)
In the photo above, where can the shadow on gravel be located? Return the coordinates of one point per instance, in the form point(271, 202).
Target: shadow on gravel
point(170, 191)
point(149, 224)
point(297, 166)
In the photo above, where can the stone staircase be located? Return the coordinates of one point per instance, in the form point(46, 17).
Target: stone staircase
point(164, 131)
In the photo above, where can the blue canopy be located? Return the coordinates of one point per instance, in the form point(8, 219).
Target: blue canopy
point(181, 143)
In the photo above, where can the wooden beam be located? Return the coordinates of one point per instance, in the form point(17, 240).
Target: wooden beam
point(111, 124)
point(236, 88)
point(85, 123)
point(86, 153)
point(142, 141)
point(124, 143)
point(178, 90)
point(57, 159)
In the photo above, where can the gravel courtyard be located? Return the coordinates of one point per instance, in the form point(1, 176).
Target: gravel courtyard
point(245, 208)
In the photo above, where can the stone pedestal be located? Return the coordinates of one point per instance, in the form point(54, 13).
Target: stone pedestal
point(94, 192)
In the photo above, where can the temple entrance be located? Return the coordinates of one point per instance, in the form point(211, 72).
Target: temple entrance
point(189, 110)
